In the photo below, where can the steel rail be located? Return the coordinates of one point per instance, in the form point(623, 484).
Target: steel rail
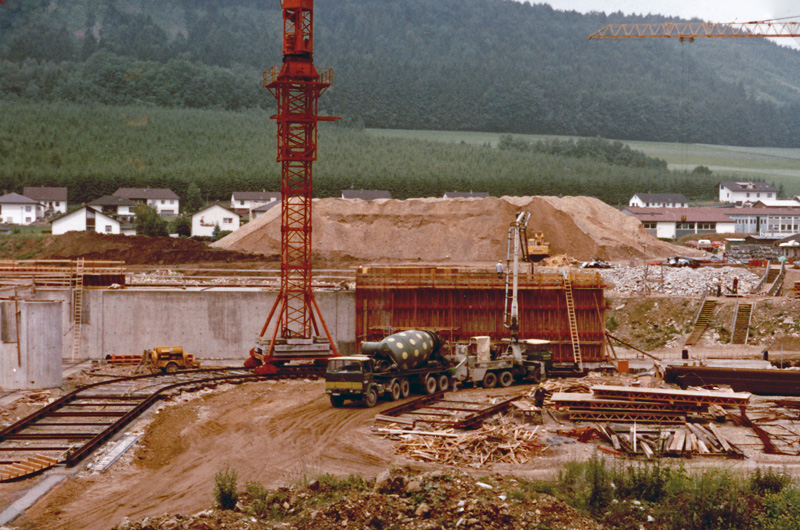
point(128, 403)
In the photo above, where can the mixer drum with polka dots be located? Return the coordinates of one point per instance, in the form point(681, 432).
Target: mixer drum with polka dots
point(407, 349)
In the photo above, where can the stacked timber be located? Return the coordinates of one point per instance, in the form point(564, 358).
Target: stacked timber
point(643, 405)
point(684, 441)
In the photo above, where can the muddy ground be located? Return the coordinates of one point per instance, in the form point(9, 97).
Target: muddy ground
point(275, 433)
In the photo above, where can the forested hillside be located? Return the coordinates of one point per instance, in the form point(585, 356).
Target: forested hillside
point(482, 65)
point(95, 149)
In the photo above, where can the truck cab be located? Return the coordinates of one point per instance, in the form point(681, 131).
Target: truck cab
point(351, 377)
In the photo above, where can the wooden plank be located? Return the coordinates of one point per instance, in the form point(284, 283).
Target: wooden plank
point(722, 441)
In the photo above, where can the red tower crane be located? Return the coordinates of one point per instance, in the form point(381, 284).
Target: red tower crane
point(297, 86)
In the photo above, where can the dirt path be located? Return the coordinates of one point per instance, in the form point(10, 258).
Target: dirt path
point(272, 433)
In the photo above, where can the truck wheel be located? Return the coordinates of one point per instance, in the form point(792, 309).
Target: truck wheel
point(489, 380)
point(430, 384)
point(337, 401)
point(394, 392)
point(171, 368)
point(405, 388)
point(537, 377)
point(444, 382)
point(371, 398)
point(505, 379)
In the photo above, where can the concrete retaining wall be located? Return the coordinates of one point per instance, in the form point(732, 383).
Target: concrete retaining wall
point(30, 344)
point(211, 324)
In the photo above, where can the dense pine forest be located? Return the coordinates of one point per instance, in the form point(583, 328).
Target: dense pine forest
point(95, 149)
point(468, 65)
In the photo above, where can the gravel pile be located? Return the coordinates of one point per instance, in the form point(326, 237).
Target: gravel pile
point(677, 281)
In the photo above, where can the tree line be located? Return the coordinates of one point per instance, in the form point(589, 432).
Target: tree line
point(465, 65)
point(206, 155)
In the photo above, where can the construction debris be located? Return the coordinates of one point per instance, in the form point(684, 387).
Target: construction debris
point(501, 442)
point(687, 440)
point(675, 281)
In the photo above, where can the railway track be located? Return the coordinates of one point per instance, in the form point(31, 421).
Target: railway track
point(67, 431)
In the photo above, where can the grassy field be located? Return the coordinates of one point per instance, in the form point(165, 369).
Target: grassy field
point(775, 165)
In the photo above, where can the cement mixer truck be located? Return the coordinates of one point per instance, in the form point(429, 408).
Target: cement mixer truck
point(392, 368)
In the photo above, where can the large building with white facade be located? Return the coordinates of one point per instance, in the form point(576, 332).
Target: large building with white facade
point(206, 220)
point(16, 209)
point(53, 200)
point(86, 219)
point(746, 192)
point(165, 202)
point(659, 200)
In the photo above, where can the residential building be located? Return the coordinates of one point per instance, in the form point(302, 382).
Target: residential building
point(244, 202)
point(54, 200)
point(659, 200)
point(164, 201)
point(205, 221)
point(465, 195)
point(86, 219)
point(672, 223)
point(789, 247)
point(115, 206)
point(255, 213)
point(766, 221)
point(16, 209)
point(777, 203)
point(746, 192)
point(366, 195)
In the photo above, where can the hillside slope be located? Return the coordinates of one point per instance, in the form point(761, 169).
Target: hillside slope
point(479, 65)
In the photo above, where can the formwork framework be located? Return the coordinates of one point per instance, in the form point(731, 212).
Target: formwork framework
point(460, 303)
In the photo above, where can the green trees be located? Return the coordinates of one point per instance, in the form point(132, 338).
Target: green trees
point(484, 65)
point(149, 223)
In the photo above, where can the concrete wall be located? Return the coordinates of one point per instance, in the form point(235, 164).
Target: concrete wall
point(211, 324)
point(33, 361)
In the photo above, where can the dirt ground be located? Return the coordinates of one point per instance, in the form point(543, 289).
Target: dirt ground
point(276, 433)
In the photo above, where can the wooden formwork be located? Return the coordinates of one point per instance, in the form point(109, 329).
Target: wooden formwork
point(461, 303)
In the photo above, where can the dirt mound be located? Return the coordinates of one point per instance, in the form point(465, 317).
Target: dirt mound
point(133, 250)
point(456, 230)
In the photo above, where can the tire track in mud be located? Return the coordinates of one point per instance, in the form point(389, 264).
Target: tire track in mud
point(273, 434)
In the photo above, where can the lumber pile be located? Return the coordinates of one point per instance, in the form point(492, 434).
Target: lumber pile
point(686, 440)
point(30, 466)
point(500, 442)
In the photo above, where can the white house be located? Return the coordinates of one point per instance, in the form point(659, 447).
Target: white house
point(54, 200)
point(164, 201)
point(115, 205)
point(85, 219)
point(204, 221)
point(244, 202)
point(672, 223)
point(742, 192)
point(16, 209)
point(659, 200)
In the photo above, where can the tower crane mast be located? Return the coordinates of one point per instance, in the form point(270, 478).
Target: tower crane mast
point(297, 86)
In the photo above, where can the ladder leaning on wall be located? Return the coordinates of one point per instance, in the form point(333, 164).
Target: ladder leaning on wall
point(77, 310)
point(573, 322)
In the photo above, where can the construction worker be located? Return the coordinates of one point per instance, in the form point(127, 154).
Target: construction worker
point(538, 396)
point(735, 284)
point(499, 269)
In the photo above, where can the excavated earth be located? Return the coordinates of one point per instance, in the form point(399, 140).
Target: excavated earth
point(459, 231)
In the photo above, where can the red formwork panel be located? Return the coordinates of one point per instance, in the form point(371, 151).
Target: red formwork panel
point(461, 303)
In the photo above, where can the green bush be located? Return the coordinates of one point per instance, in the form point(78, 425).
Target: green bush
point(226, 492)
